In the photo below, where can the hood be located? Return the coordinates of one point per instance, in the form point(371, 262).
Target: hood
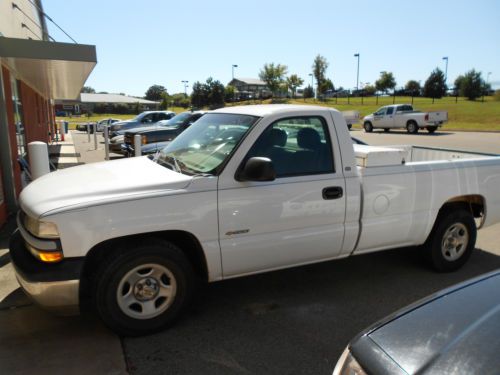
point(122, 122)
point(142, 129)
point(97, 183)
point(457, 332)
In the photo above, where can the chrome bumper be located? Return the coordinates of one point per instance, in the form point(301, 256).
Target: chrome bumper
point(60, 297)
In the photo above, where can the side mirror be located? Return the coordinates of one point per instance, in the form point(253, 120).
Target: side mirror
point(257, 169)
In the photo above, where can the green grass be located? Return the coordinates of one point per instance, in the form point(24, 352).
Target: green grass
point(462, 115)
point(73, 121)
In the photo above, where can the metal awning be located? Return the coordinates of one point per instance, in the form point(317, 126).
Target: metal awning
point(55, 70)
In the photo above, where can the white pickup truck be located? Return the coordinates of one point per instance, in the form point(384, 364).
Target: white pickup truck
point(244, 190)
point(403, 116)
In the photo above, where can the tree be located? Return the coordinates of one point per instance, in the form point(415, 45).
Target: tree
point(293, 82)
point(413, 87)
point(87, 90)
point(471, 85)
point(211, 93)
point(103, 92)
point(165, 99)
point(215, 93)
point(385, 82)
point(155, 93)
point(435, 85)
point(273, 76)
point(327, 85)
point(369, 90)
point(319, 69)
point(308, 92)
point(229, 93)
point(199, 97)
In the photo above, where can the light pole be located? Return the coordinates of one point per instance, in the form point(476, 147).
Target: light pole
point(446, 69)
point(357, 75)
point(312, 83)
point(185, 87)
point(232, 70)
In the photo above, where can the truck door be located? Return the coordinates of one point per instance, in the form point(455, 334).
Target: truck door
point(378, 117)
point(388, 120)
point(298, 217)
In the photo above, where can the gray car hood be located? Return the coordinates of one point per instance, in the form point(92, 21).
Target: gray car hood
point(458, 332)
point(99, 183)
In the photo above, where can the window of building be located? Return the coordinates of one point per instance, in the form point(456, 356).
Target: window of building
point(18, 116)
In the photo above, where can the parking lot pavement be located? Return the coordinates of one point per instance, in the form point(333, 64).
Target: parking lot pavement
point(295, 321)
point(33, 341)
point(470, 141)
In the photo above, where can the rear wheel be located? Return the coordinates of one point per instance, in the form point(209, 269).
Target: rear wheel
point(387, 130)
point(452, 239)
point(431, 129)
point(143, 289)
point(412, 127)
point(368, 127)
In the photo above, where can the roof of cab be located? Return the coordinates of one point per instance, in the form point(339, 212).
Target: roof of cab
point(268, 109)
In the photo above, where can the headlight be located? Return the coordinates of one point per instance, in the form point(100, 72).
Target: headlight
point(347, 365)
point(39, 228)
point(144, 140)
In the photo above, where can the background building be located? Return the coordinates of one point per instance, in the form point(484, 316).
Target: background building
point(104, 103)
point(34, 69)
point(253, 86)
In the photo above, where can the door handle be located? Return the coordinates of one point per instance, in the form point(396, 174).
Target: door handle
point(333, 192)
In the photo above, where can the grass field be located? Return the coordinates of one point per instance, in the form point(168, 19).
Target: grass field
point(462, 115)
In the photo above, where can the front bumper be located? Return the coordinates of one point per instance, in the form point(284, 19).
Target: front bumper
point(115, 148)
point(55, 287)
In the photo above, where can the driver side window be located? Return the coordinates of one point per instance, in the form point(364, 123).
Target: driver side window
point(296, 146)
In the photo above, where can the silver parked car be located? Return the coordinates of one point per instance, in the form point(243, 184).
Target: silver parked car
point(455, 331)
point(148, 118)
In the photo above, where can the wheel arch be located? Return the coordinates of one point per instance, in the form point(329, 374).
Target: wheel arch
point(474, 203)
point(186, 241)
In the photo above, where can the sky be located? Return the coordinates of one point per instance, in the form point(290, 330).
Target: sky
point(142, 43)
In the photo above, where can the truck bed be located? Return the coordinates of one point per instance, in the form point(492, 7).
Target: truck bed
point(378, 156)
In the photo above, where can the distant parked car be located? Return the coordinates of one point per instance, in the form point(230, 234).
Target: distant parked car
point(164, 131)
point(100, 125)
point(148, 118)
point(455, 331)
point(404, 116)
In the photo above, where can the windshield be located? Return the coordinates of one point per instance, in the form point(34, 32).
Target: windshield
point(176, 120)
point(206, 144)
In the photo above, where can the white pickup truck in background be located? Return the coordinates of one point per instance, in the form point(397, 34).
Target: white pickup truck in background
point(403, 116)
point(243, 190)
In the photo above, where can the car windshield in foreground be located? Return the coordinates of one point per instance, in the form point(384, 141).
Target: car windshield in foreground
point(207, 144)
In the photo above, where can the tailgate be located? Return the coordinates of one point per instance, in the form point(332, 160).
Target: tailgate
point(437, 116)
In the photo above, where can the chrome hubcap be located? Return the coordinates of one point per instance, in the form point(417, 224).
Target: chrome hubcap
point(455, 241)
point(146, 291)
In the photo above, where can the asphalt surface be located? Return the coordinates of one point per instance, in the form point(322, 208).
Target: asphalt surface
point(294, 321)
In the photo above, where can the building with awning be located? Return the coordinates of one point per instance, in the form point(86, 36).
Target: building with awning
point(35, 70)
point(104, 103)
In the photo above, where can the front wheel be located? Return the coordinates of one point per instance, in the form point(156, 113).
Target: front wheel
point(368, 127)
point(143, 289)
point(452, 239)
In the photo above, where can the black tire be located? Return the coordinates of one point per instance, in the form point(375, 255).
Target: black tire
point(387, 130)
point(108, 301)
point(368, 127)
point(349, 126)
point(431, 129)
point(412, 127)
point(438, 243)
